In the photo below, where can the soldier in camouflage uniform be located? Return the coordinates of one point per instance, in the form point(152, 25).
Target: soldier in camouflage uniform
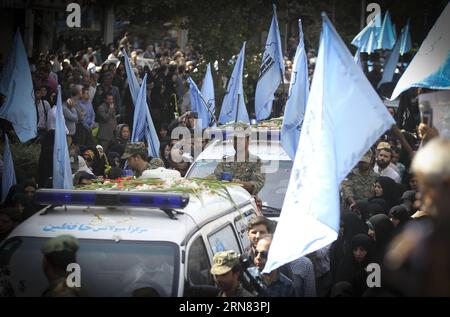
point(359, 183)
point(136, 156)
point(244, 167)
point(58, 253)
point(226, 269)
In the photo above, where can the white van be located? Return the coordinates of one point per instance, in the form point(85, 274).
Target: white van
point(128, 240)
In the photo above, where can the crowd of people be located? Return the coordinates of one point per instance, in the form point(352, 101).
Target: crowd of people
point(393, 214)
point(98, 108)
point(380, 198)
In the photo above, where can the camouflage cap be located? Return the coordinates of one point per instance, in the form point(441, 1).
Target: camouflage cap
point(60, 244)
point(367, 157)
point(224, 261)
point(133, 148)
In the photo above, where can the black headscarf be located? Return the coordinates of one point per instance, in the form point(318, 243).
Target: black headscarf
point(390, 191)
point(118, 143)
point(401, 213)
point(342, 289)
point(384, 231)
point(361, 206)
point(362, 240)
point(352, 271)
point(377, 206)
point(118, 133)
point(352, 226)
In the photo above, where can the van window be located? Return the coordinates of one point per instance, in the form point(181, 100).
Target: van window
point(198, 264)
point(241, 222)
point(223, 240)
point(274, 189)
point(108, 268)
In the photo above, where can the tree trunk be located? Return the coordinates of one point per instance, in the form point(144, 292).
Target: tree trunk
point(363, 14)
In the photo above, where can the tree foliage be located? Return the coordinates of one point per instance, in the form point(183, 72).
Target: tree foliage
point(218, 28)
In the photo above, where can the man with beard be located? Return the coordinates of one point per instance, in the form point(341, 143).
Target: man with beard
point(226, 269)
point(382, 165)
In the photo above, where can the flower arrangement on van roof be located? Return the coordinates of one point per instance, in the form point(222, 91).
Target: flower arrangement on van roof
point(194, 186)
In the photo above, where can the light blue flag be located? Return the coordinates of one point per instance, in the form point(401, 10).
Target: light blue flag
point(271, 71)
point(329, 148)
point(16, 84)
point(390, 64)
point(363, 36)
point(370, 41)
point(233, 104)
point(198, 104)
point(430, 67)
point(132, 80)
point(386, 38)
point(405, 42)
point(296, 103)
point(8, 174)
point(62, 174)
point(143, 128)
point(208, 92)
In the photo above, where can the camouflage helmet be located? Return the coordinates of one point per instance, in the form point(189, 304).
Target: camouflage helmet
point(223, 262)
point(133, 148)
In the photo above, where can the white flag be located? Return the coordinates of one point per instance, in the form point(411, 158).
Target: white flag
point(344, 117)
point(430, 67)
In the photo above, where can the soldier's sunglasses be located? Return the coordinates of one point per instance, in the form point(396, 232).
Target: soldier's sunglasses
point(263, 254)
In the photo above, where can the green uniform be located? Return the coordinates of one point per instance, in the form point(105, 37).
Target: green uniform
point(248, 171)
point(239, 292)
point(358, 186)
point(154, 163)
point(224, 262)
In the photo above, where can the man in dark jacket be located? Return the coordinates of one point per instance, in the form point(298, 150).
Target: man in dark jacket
point(106, 115)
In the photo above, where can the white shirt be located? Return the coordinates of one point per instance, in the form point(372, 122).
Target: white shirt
point(51, 120)
point(43, 108)
point(388, 172)
point(394, 167)
point(112, 56)
point(91, 68)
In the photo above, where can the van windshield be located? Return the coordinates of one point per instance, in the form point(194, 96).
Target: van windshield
point(276, 173)
point(108, 268)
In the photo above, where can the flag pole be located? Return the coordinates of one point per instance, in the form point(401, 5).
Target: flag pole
point(205, 104)
point(237, 109)
point(282, 88)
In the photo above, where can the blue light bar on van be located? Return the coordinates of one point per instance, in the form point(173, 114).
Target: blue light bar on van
point(110, 198)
